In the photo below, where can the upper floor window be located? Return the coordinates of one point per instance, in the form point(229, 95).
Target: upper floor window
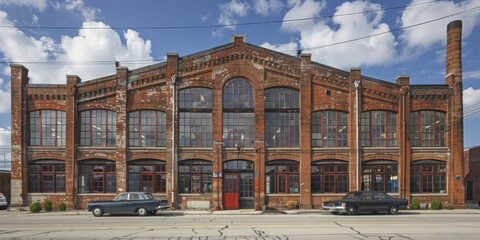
point(379, 129)
point(329, 129)
point(238, 114)
point(147, 129)
point(47, 128)
point(46, 176)
point(427, 129)
point(98, 128)
point(282, 117)
point(195, 117)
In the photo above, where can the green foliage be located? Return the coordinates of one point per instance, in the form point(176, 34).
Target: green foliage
point(48, 205)
point(436, 204)
point(292, 205)
point(62, 206)
point(35, 207)
point(415, 204)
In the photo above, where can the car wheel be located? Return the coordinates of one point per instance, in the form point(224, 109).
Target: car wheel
point(153, 212)
point(352, 210)
point(142, 212)
point(393, 210)
point(97, 211)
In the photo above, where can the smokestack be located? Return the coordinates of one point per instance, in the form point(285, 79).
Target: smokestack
point(454, 51)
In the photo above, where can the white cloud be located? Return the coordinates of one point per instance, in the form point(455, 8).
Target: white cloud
point(38, 4)
point(70, 55)
point(428, 34)
point(5, 137)
point(267, 7)
point(471, 101)
point(34, 20)
point(5, 97)
point(317, 33)
point(284, 48)
point(229, 11)
point(78, 7)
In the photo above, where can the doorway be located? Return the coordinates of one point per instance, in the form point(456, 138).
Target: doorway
point(238, 185)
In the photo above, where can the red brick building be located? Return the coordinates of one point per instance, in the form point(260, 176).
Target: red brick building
point(238, 126)
point(472, 179)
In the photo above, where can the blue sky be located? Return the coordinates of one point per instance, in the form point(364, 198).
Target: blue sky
point(55, 38)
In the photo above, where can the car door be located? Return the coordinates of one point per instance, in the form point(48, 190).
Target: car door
point(119, 204)
point(366, 202)
point(382, 202)
point(135, 201)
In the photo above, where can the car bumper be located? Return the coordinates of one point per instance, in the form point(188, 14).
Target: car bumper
point(339, 209)
point(162, 207)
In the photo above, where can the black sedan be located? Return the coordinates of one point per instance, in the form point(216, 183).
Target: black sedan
point(141, 203)
point(366, 201)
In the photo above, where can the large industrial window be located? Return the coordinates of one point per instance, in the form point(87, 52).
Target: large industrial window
point(427, 129)
point(238, 114)
point(379, 129)
point(46, 176)
point(147, 129)
point(329, 177)
point(98, 128)
point(428, 177)
point(329, 129)
point(282, 117)
point(147, 176)
point(380, 177)
point(97, 177)
point(47, 128)
point(195, 176)
point(195, 117)
point(282, 177)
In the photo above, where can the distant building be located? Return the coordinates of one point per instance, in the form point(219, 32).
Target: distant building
point(472, 180)
point(238, 126)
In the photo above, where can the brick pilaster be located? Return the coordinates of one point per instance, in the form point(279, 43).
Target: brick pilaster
point(354, 142)
point(403, 138)
point(305, 130)
point(122, 128)
point(70, 146)
point(19, 114)
point(172, 122)
point(217, 199)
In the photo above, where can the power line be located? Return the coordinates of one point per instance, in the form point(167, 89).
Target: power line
point(216, 25)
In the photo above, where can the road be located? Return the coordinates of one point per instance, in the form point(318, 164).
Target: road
point(265, 226)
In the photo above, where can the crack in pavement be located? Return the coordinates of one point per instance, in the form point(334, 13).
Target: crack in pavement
point(353, 229)
point(221, 229)
point(378, 236)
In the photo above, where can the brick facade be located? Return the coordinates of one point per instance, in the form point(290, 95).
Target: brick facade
point(321, 87)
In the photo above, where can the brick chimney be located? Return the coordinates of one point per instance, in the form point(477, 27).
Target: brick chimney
point(454, 51)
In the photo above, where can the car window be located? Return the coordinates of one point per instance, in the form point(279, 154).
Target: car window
point(366, 197)
point(134, 196)
point(379, 196)
point(149, 196)
point(121, 197)
point(353, 195)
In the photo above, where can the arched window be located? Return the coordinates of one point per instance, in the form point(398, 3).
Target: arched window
point(428, 176)
point(97, 176)
point(329, 176)
point(147, 176)
point(379, 129)
point(282, 117)
point(98, 128)
point(282, 176)
point(47, 128)
point(147, 128)
point(196, 117)
point(380, 176)
point(46, 176)
point(427, 129)
point(195, 176)
point(238, 114)
point(329, 129)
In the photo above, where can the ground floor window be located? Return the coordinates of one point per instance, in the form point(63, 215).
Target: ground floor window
point(380, 177)
point(329, 177)
point(147, 176)
point(282, 177)
point(428, 178)
point(46, 176)
point(195, 176)
point(97, 177)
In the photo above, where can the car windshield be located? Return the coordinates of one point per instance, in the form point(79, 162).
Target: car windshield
point(149, 196)
point(353, 195)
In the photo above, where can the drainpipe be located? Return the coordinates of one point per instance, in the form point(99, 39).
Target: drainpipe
point(357, 100)
point(174, 162)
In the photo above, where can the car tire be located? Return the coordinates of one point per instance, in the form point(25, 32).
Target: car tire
point(97, 211)
point(153, 212)
point(352, 210)
point(142, 212)
point(393, 210)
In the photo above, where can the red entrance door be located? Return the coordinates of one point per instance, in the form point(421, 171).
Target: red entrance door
point(230, 191)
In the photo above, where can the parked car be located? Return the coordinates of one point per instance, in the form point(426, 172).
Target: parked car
point(366, 201)
point(141, 203)
point(3, 201)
